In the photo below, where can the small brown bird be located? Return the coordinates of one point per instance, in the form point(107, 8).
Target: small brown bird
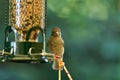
point(56, 46)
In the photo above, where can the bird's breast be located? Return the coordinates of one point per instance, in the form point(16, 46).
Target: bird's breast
point(56, 46)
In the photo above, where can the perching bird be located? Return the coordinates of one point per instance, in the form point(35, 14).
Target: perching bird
point(56, 46)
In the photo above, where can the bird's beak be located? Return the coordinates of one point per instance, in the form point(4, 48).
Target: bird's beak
point(57, 32)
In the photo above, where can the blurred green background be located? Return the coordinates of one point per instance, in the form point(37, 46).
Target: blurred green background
point(91, 32)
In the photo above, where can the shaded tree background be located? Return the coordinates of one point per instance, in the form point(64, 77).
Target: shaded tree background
point(90, 29)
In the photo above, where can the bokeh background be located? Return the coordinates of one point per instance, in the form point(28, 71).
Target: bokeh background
point(91, 32)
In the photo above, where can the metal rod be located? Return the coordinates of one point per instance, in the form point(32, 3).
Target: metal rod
point(59, 74)
point(44, 41)
point(67, 72)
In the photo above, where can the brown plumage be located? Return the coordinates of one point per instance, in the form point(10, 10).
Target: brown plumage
point(56, 46)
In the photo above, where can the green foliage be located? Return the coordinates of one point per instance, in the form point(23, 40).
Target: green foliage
point(91, 33)
point(94, 9)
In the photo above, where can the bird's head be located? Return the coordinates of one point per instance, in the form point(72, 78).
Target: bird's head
point(56, 31)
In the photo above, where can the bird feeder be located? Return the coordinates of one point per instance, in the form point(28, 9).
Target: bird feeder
point(27, 22)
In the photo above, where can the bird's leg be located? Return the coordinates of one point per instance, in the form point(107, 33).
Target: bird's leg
point(60, 64)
